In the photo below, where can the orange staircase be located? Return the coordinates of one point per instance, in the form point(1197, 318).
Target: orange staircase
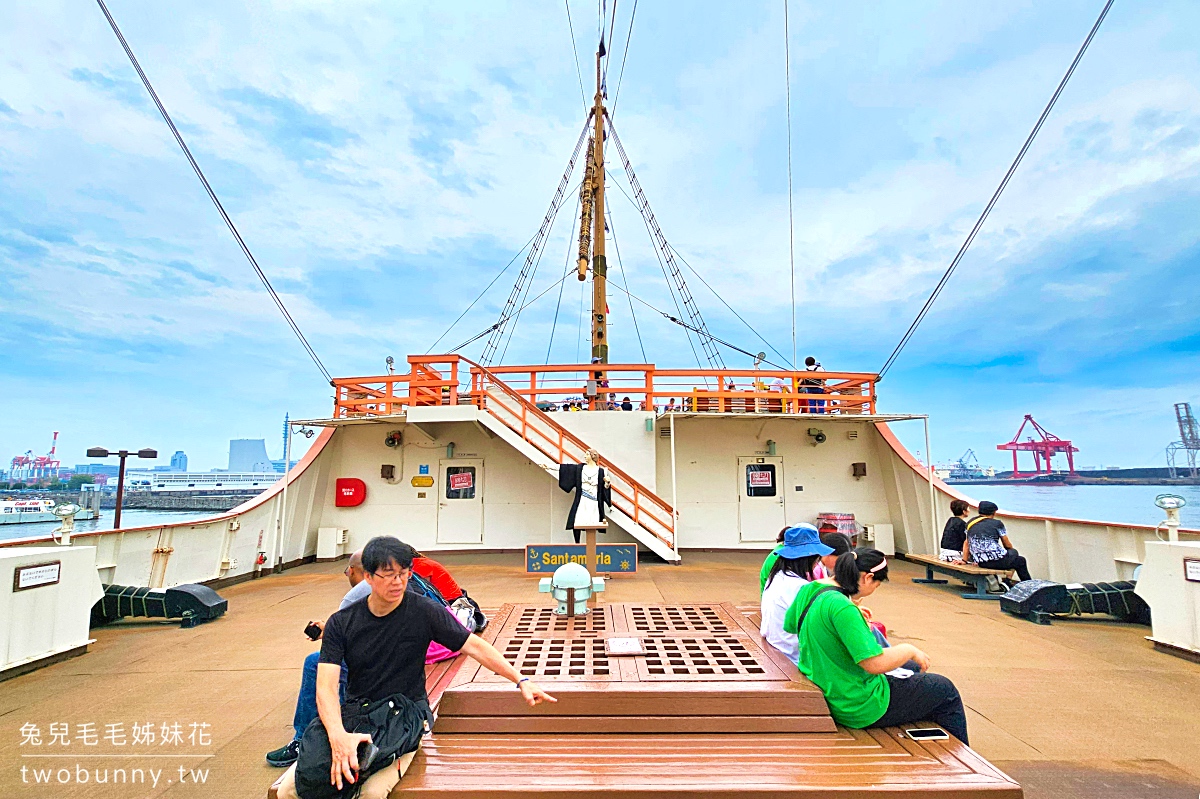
point(639, 511)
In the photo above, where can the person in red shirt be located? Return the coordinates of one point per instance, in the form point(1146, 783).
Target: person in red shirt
point(436, 573)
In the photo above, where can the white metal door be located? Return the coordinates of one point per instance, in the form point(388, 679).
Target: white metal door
point(460, 501)
point(760, 498)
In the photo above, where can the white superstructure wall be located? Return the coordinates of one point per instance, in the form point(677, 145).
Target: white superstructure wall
point(815, 478)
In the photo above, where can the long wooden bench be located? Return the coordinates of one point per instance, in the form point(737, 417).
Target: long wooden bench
point(967, 572)
point(709, 711)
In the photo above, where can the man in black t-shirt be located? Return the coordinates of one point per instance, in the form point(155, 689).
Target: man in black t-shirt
point(382, 640)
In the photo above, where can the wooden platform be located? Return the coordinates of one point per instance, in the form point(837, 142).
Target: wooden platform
point(708, 710)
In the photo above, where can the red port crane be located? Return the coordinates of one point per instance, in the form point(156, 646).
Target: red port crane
point(30, 467)
point(1043, 450)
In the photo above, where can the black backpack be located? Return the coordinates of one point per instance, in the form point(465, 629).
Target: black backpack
point(422, 586)
point(395, 724)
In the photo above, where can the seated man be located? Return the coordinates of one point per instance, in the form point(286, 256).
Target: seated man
point(382, 640)
point(987, 543)
point(306, 702)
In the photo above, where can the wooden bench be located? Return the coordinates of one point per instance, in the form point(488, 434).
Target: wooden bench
point(663, 724)
point(967, 572)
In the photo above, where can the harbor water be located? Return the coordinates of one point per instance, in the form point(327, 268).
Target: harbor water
point(1129, 504)
point(1117, 504)
point(129, 518)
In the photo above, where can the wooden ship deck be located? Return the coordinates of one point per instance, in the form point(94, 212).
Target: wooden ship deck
point(707, 710)
point(1068, 711)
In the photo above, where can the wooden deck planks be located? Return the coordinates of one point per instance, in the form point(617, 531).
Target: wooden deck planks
point(629, 737)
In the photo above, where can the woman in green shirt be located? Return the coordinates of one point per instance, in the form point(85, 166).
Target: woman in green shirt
point(839, 653)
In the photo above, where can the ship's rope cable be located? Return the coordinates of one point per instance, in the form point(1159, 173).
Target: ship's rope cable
point(996, 195)
point(621, 266)
point(480, 295)
point(566, 268)
point(504, 319)
point(672, 272)
point(698, 331)
point(661, 263)
point(521, 285)
point(578, 69)
point(612, 25)
point(749, 326)
point(787, 79)
point(621, 75)
point(512, 330)
point(577, 191)
point(693, 270)
point(213, 196)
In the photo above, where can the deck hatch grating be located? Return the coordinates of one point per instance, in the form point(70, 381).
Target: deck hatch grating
point(558, 658)
point(709, 658)
point(677, 618)
point(544, 621)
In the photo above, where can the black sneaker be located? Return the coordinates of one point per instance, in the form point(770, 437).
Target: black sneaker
point(284, 756)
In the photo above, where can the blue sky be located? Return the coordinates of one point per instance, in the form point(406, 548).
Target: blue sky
point(385, 161)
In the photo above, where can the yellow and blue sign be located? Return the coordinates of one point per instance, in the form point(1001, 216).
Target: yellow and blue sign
point(613, 558)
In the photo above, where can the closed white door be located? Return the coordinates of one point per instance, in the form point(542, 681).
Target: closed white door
point(760, 498)
point(460, 502)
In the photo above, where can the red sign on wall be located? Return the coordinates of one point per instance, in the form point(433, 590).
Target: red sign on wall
point(461, 481)
point(349, 492)
point(760, 479)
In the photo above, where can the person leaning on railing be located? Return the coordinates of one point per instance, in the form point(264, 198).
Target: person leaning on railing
point(865, 684)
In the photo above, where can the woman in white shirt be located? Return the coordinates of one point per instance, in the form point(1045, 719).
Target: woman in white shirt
point(801, 552)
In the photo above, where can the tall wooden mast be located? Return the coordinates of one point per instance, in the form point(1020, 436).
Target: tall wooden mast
point(591, 225)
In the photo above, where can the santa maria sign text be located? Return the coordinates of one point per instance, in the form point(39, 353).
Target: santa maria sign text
point(614, 558)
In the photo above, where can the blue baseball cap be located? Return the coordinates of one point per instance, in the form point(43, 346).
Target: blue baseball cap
point(801, 541)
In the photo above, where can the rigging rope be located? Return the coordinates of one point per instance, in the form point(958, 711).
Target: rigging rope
point(621, 74)
point(213, 196)
point(787, 78)
point(504, 319)
point(561, 286)
point(674, 276)
point(480, 295)
point(727, 305)
point(621, 266)
point(519, 288)
point(996, 195)
point(695, 272)
point(578, 70)
point(705, 333)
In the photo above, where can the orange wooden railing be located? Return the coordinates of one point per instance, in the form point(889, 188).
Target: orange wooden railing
point(647, 509)
point(434, 380)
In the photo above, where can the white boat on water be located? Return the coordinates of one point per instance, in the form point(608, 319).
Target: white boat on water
point(18, 511)
point(27, 511)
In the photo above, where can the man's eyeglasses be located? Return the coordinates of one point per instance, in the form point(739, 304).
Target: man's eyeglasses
point(392, 576)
